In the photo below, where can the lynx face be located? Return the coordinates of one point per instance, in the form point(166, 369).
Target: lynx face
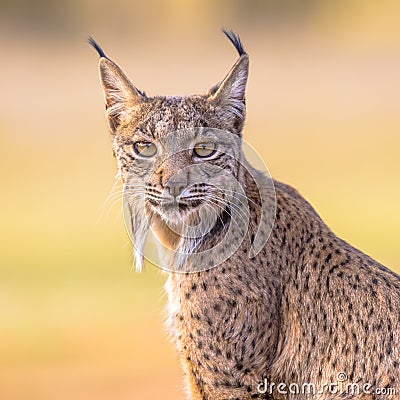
point(180, 158)
point(183, 171)
point(185, 184)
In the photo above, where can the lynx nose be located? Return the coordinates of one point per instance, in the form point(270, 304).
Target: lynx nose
point(175, 187)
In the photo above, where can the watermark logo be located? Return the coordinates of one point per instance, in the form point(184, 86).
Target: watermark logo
point(188, 193)
point(340, 386)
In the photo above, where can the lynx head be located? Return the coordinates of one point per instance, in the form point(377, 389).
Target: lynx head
point(179, 158)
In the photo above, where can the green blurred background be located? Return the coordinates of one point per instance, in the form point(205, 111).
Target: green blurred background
point(323, 111)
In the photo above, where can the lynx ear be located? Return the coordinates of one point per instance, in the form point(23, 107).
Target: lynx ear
point(229, 94)
point(121, 96)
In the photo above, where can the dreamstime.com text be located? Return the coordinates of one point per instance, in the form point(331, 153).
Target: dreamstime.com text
point(339, 387)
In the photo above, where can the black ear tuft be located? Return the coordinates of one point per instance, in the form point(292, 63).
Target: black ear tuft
point(235, 40)
point(99, 50)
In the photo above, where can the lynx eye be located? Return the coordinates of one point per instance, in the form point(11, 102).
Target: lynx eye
point(203, 150)
point(145, 149)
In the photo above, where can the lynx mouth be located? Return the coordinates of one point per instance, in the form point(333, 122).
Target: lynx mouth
point(175, 207)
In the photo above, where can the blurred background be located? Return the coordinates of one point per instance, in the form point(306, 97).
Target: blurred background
point(323, 111)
